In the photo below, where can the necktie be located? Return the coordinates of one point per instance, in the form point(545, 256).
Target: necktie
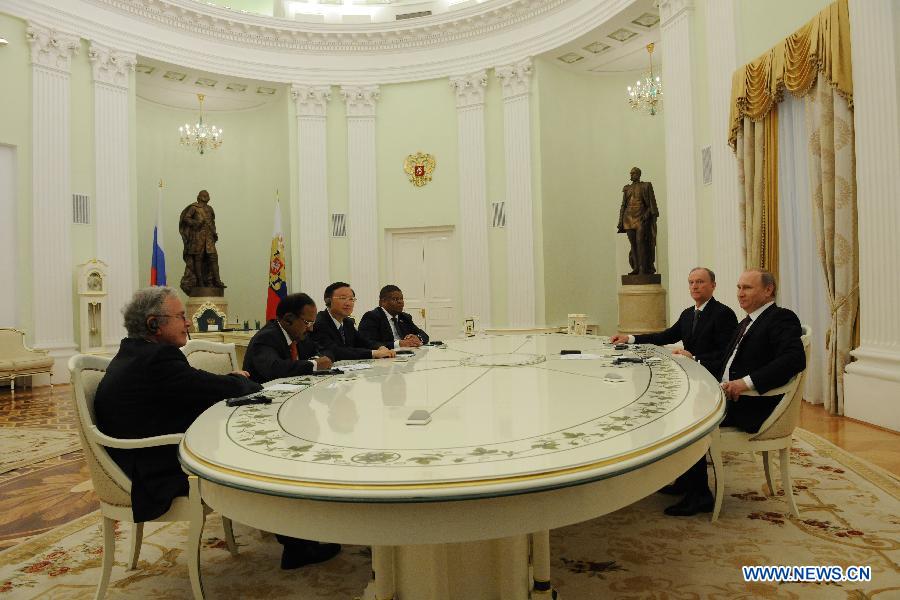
point(740, 335)
point(294, 354)
point(396, 326)
point(341, 331)
point(694, 323)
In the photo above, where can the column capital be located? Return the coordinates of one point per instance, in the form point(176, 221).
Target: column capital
point(360, 99)
point(669, 10)
point(311, 100)
point(51, 48)
point(469, 88)
point(515, 78)
point(111, 66)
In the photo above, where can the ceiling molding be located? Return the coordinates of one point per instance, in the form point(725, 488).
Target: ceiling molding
point(218, 40)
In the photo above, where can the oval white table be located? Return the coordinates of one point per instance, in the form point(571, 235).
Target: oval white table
point(521, 440)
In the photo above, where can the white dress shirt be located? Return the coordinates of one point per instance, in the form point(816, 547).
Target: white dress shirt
point(753, 316)
point(396, 342)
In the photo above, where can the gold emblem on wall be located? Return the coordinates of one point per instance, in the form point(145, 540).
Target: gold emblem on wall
point(419, 168)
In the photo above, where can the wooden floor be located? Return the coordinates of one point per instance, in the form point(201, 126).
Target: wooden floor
point(40, 496)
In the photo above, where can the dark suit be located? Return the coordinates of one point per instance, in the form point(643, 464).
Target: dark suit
point(770, 353)
point(268, 355)
point(375, 326)
point(715, 327)
point(352, 346)
point(150, 389)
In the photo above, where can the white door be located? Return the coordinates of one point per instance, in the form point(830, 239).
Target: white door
point(423, 265)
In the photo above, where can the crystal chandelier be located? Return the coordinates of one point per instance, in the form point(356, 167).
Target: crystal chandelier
point(646, 94)
point(200, 135)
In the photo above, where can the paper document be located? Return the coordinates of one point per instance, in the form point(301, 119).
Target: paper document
point(354, 367)
point(284, 387)
point(580, 356)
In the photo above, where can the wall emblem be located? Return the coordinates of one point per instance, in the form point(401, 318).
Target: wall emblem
point(419, 168)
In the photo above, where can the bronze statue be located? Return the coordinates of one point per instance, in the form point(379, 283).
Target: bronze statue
point(637, 218)
point(197, 226)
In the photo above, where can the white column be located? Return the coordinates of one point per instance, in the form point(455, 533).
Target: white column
point(363, 200)
point(516, 81)
point(52, 269)
point(473, 215)
point(678, 110)
point(112, 145)
point(721, 49)
point(872, 383)
point(310, 265)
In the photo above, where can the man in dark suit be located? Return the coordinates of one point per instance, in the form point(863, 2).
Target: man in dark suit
point(150, 389)
point(764, 353)
point(704, 329)
point(388, 324)
point(335, 333)
point(283, 348)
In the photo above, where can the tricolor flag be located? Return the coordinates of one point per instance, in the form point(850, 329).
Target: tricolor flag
point(277, 273)
point(158, 261)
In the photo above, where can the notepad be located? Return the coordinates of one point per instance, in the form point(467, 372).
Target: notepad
point(581, 356)
point(355, 367)
point(284, 387)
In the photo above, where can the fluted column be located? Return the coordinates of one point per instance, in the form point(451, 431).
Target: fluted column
point(363, 200)
point(473, 226)
point(681, 184)
point(872, 383)
point(310, 264)
point(721, 49)
point(112, 145)
point(516, 81)
point(52, 269)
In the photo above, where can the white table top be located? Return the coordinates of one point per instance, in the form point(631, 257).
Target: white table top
point(509, 415)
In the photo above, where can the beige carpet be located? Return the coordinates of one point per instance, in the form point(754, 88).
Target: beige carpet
point(24, 446)
point(850, 515)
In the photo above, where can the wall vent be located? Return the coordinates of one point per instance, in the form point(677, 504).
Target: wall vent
point(81, 209)
point(338, 225)
point(706, 155)
point(414, 15)
point(498, 209)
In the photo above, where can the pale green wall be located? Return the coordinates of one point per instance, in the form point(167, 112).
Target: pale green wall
point(764, 23)
point(15, 130)
point(241, 177)
point(590, 139)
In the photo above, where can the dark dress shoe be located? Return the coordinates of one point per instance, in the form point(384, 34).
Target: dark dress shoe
point(672, 490)
point(691, 504)
point(295, 556)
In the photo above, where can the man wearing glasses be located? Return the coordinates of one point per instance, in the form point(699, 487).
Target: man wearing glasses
point(335, 333)
point(150, 389)
point(283, 348)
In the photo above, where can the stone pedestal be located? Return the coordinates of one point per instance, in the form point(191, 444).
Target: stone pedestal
point(196, 305)
point(642, 308)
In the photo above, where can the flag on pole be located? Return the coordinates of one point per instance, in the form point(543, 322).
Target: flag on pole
point(158, 260)
point(277, 272)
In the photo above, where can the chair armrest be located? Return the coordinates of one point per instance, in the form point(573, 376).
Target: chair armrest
point(150, 442)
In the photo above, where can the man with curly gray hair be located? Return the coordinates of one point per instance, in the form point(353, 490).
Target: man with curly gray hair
point(150, 389)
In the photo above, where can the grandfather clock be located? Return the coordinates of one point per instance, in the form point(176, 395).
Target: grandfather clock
point(92, 291)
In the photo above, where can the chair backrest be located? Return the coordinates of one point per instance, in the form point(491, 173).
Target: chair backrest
point(110, 482)
point(783, 420)
point(12, 344)
point(214, 357)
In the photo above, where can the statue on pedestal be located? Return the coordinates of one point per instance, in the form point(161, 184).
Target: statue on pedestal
point(197, 226)
point(637, 219)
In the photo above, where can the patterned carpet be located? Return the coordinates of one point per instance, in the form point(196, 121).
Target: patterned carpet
point(850, 515)
point(21, 446)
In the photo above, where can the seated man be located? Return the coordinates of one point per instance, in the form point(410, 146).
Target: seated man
point(764, 353)
point(334, 332)
point(388, 324)
point(282, 348)
point(704, 329)
point(150, 389)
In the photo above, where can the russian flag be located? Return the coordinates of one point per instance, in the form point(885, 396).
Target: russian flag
point(277, 268)
point(158, 260)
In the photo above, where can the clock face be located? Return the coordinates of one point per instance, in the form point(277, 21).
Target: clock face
point(95, 282)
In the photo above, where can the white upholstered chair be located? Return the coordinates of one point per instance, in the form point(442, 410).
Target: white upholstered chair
point(774, 434)
point(214, 357)
point(113, 487)
point(18, 360)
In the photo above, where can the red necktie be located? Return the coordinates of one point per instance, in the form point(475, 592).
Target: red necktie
point(294, 354)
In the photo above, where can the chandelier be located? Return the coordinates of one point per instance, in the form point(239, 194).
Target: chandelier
point(646, 94)
point(200, 135)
